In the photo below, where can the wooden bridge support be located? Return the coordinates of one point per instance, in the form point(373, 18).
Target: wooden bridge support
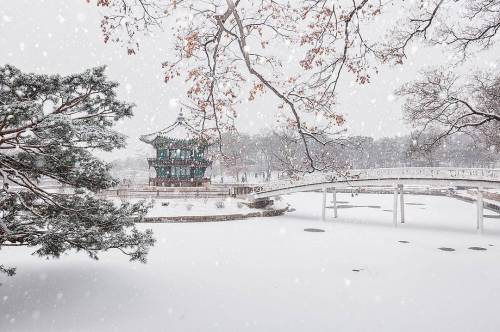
point(402, 203)
point(480, 205)
point(323, 206)
point(334, 201)
point(395, 207)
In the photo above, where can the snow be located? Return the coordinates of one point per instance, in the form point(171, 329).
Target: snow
point(173, 102)
point(267, 274)
point(180, 129)
point(196, 207)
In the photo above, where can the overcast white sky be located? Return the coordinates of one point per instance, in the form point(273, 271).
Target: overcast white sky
point(63, 36)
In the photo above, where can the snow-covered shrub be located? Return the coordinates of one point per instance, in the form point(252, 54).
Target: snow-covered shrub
point(219, 204)
point(239, 205)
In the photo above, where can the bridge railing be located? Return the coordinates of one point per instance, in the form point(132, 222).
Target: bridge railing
point(484, 174)
point(441, 173)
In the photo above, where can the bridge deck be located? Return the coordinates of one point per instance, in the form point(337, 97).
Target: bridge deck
point(440, 177)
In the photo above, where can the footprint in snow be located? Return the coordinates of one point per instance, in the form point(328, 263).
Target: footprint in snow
point(314, 230)
point(446, 249)
point(477, 248)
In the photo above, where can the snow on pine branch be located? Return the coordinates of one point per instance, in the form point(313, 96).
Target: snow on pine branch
point(49, 127)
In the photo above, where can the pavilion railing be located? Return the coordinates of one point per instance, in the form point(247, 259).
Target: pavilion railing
point(178, 162)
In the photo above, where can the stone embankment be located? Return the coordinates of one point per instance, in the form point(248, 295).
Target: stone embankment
point(215, 218)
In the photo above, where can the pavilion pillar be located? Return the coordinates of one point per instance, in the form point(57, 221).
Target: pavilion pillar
point(395, 207)
point(402, 203)
point(323, 206)
point(334, 201)
point(479, 201)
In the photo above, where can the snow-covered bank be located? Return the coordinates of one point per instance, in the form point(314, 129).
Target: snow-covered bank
point(199, 207)
point(195, 207)
point(270, 275)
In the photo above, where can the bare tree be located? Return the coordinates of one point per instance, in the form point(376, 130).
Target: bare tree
point(235, 153)
point(442, 103)
point(464, 26)
point(226, 49)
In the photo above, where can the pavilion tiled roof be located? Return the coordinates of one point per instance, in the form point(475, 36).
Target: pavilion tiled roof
point(179, 130)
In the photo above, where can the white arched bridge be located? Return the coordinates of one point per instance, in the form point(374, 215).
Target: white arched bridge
point(396, 178)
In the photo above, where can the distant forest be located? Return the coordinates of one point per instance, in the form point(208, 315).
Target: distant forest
point(244, 156)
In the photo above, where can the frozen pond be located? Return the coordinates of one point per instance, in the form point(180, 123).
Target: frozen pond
point(268, 274)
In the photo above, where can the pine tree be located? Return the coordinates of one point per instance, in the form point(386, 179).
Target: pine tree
point(49, 127)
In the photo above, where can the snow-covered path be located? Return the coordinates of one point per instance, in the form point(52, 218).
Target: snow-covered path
point(271, 275)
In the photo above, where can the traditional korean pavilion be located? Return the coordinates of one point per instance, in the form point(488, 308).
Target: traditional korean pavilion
point(180, 156)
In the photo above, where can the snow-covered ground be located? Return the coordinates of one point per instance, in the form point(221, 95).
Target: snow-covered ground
point(194, 207)
point(268, 274)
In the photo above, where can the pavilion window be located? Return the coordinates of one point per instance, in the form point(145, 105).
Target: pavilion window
point(180, 172)
point(162, 154)
point(161, 172)
point(198, 172)
point(199, 154)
